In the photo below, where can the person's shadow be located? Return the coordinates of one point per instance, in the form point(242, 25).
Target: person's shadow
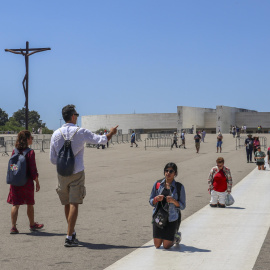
point(186, 249)
point(235, 207)
point(106, 246)
point(42, 234)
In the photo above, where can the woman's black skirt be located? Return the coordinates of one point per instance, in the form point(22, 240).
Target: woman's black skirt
point(168, 232)
point(260, 163)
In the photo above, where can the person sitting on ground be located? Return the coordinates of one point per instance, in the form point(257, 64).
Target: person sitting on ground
point(220, 183)
point(165, 194)
point(133, 137)
point(259, 157)
point(174, 140)
point(19, 195)
point(197, 139)
point(219, 142)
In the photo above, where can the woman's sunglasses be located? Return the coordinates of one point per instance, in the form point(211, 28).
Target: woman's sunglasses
point(169, 171)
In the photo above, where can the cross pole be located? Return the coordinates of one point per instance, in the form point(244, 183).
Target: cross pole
point(26, 53)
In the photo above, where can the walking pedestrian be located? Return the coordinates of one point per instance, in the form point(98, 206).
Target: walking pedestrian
point(71, 189)
point(183, 138)
point(170, 195)
point(249, 148)
point(237, 131)
point(220, 183)
point(133, 137)
point(233, 131)
point(259, 157)
point(20, 195)
point(203, 135)
point(219, 142)
point(197, 139)
point(174, 140)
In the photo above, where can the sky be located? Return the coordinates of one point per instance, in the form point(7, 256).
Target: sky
point(143, 56)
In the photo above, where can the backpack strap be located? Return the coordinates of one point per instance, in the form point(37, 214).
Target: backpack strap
point(26, 151)
point(71, 136)
point(158, 183)
point(178, 188)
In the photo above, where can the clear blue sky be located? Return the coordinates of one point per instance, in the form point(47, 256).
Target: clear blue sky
point(117, 57)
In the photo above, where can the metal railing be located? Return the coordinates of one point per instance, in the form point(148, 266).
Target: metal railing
point(240, 142)
point(122, 138)
point(158, 142)
point(37, 144)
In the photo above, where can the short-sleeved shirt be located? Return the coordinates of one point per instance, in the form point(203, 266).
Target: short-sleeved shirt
point(197, 138)
point(260, 154)
point(256, 143)
point(219, 138)
point(249, 143)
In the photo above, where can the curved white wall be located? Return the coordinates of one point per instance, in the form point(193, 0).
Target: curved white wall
point(131, 121)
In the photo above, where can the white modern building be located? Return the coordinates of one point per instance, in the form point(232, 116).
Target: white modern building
point(212, 120)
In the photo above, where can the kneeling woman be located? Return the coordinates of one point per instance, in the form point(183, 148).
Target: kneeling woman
point(169, 195)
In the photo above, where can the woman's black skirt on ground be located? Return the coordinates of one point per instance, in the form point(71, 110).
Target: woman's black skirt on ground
point(168, 232)
point(260, 163)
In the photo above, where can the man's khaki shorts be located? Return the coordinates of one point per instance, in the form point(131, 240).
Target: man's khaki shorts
point(197, 145)
point(71, 189)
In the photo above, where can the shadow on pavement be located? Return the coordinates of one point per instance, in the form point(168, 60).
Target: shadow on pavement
point(41, 233)
point(105, 246)
point(186, 249)
point(232, 207)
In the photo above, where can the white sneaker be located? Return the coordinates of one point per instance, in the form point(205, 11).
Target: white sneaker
point(177, 238)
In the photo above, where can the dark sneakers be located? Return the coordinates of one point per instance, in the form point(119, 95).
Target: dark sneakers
point(71, 243)
point(75, 240)
point(213, 205)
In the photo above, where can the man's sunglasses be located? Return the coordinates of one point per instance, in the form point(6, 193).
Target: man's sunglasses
point(76, 114)
point(169, 171)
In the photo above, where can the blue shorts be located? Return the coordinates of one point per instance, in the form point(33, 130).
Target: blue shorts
point(219, 143)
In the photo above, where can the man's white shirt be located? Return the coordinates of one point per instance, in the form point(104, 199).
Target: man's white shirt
point(81, 137)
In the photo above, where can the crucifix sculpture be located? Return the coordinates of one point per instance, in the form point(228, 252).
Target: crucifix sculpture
point(26, 53)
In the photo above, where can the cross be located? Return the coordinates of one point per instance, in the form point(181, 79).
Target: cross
point(26, 53)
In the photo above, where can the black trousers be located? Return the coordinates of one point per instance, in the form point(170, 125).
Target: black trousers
point(249, 154)
point(174, 143)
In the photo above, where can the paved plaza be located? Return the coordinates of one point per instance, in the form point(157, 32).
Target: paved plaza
point(115, 218)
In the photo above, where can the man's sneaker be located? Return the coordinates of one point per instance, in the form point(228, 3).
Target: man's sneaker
point(213, 205)
point(70, 243)
point(14, 230)
point(74, 239)
point(177, 238)
point(36, 227)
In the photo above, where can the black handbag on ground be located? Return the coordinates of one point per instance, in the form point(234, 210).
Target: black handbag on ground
point(161, 215)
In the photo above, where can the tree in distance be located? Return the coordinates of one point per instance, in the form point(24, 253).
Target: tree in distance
point(17, 122)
